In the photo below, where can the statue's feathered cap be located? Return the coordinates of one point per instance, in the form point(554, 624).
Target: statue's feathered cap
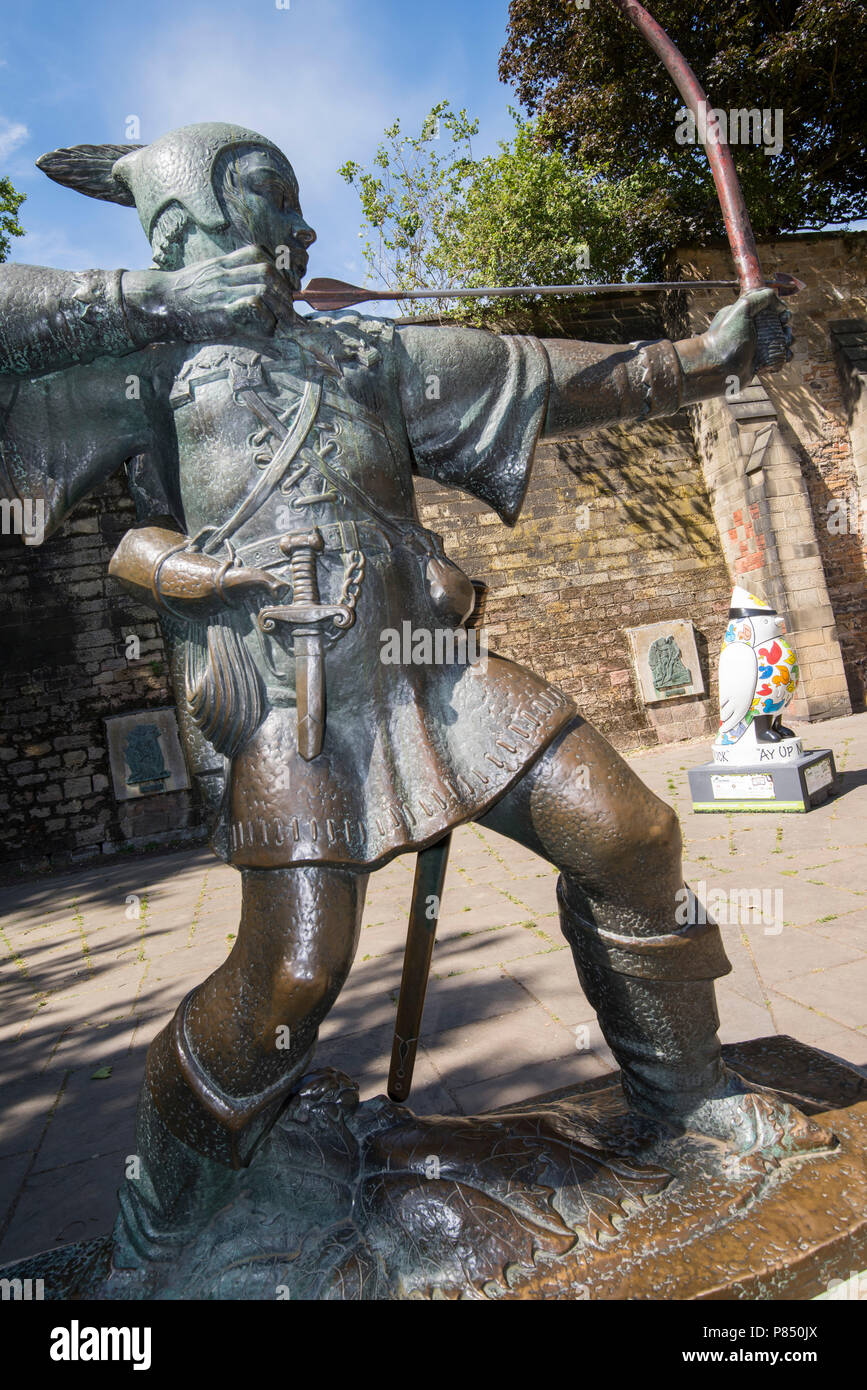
point(177, 167)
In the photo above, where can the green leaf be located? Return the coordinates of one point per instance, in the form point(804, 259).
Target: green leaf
point(600, 95)
point(10, 202)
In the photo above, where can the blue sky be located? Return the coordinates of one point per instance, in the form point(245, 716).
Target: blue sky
point(321, 78)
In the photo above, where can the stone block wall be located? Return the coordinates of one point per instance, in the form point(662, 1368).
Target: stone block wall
point(817, 406)
point(762, 507)
point(64, 630)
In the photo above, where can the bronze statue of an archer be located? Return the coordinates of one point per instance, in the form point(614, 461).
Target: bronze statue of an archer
point(271, 459)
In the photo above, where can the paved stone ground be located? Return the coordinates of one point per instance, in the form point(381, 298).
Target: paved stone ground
point(94, 963)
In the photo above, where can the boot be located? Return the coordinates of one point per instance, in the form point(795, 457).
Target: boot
point(655, 1001)
point(191, 1140)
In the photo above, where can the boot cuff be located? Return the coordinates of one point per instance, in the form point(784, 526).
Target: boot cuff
point(694, 953)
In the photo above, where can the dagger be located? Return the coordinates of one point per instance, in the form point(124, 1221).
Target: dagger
point(309, 655)
point(307, 615)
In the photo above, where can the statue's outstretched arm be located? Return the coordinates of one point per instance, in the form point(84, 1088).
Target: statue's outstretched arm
point(57, 318)
point(50, 319)
point(63, 433)
point(595, 385)
point(476, 403)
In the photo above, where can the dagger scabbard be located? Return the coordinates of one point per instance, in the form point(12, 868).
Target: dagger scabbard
point(430, 873)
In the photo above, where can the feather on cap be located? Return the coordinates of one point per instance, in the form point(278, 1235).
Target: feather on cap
point(90, 169)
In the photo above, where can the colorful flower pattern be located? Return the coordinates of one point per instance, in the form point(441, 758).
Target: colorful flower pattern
point(777, 676)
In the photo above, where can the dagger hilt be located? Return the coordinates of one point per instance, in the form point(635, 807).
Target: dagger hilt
point(305, 611)
point(302, 548)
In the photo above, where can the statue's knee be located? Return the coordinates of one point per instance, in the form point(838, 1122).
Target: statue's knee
point(298, 938)
point(301, 989)
point(654, 844)
point(663, 835)
point(638, 846)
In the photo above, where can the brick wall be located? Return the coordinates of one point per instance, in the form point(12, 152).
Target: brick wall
point(64, 626)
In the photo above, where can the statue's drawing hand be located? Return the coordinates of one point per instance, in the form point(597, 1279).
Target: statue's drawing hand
point(214, 299)
point(239, 583)
point(730, 344)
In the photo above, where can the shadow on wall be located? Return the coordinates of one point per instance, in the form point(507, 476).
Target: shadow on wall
point(660, 518)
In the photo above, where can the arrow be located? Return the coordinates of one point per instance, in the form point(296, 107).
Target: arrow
point(337, 294)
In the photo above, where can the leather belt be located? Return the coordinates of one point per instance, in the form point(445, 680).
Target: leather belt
point(339, 536)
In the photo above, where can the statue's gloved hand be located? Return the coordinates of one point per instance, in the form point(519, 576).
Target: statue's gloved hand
point(731, 341)
point(153, 563)
point(214, 299)
point(726, 355)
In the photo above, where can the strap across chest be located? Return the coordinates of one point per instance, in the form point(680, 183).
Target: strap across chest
point(287, 450)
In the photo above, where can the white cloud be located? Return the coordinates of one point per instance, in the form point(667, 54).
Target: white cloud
point(12, 135)
point(49, 247)
point(321, 79)
point(314, 105)
point(316, 82)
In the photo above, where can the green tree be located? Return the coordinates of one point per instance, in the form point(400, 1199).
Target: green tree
point(532, 215)
point(411, 196)
point(435, 216)
point(10, 202)
point(606, 100)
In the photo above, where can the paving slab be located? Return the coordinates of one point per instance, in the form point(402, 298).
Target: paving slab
point(550, 980)
point(796, 951)
point(532, 1079)
point(838, 992)
point(95, 1115)
point(474, 950)
point(498, 1046)
point(360, 1053)
point(27, 1108)
point(741, 1017)
point(455, 999)
point(75, 1202)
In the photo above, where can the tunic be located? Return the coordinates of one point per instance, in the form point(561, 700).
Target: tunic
point(411, 746)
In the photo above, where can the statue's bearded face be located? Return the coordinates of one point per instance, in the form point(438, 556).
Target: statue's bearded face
point(260, 194)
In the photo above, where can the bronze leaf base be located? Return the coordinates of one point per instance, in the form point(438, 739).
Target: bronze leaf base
point(566, 1196)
